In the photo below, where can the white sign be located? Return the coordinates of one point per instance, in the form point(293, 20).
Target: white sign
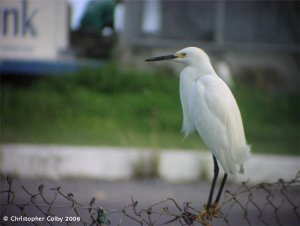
point(33, 29)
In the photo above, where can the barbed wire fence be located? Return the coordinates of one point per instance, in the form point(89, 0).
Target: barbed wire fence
point(263, 204)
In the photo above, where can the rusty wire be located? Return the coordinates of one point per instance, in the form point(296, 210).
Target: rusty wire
point(263, 204)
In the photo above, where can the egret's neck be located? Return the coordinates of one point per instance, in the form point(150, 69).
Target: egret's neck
point(206, 69)
point(202, 67)
point(195, 71)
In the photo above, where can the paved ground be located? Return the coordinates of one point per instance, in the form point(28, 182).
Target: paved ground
point(117, 195)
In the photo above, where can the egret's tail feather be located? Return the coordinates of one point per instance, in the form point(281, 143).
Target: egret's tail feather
point(241, 169)
point(235, 164)
point(242, 156)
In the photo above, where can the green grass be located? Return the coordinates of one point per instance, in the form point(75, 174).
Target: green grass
point(129, 108)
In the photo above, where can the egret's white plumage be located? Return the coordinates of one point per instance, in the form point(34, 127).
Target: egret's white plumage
point(210, 108)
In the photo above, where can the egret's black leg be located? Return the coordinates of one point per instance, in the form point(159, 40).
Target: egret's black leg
point(221, 188)
point(212, 188)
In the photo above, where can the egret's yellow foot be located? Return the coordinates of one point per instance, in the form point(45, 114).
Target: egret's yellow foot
point(214, 210)
point(208, 214)
point(203, 216)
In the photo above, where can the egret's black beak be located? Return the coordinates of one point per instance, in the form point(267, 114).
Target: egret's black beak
point(168, 57)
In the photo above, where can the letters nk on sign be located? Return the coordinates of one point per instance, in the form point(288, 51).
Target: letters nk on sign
point(33, 29)
point(22, 20)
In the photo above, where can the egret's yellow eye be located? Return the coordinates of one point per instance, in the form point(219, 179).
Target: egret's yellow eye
point(182, 55)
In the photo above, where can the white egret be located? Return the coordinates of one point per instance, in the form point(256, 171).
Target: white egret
point(210, 108)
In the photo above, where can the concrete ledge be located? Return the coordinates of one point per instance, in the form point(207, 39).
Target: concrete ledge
point(58, 162)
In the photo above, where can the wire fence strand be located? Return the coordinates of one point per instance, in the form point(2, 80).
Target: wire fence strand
point(262, 204)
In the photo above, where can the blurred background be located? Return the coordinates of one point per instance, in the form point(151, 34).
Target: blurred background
point(73, 71)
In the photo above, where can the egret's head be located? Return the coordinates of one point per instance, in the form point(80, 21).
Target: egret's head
point(188, 56)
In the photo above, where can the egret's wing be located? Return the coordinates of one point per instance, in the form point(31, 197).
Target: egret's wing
point(218, 121)
point(185, 93)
